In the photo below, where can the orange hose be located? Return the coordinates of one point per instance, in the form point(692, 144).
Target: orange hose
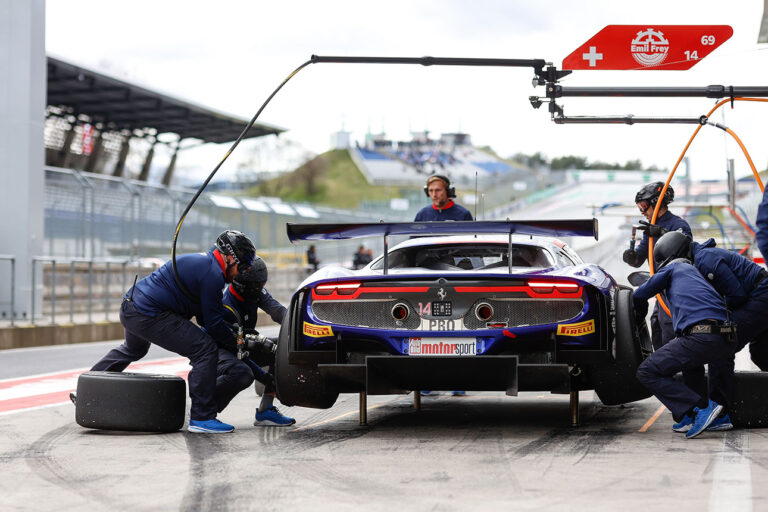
point(677, 164)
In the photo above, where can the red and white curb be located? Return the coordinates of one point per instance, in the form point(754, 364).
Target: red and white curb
point(51, 389)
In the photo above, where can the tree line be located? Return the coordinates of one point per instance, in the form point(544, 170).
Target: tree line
point(561, 163)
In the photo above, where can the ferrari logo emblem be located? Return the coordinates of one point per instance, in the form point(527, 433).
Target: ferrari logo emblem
point(441, 294)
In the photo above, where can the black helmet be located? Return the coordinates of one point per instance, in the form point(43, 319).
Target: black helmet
point(238, 245)
point(249, 284)
point(650, 194)
point(671, 246)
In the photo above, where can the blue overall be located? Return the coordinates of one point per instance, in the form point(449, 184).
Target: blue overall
point(744, 285)
point(234, 375)
point(762, 225)
point(452, 211)
point(661, 324)
point(157, 311)
point(692, 301)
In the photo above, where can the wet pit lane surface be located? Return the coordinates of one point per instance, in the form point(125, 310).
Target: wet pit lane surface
point(484, 451)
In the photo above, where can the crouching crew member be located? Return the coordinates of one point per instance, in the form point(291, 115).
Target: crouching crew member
point(702, 337)
point(157, 310)
point(646, 200)
point(246, 295)
point(744, 285)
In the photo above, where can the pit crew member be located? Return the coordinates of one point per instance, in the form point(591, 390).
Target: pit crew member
point(440, 191)
point(703, 335)
point(156, 310)
point(246, 295)
point(646, 199)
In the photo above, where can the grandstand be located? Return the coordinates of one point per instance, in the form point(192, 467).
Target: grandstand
point(386, 162)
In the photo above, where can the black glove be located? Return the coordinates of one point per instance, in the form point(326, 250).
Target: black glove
point(653, 230)
point(630, 257)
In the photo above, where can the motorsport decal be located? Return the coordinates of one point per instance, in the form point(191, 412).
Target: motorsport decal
point(579, 329)
point(442, 347)
point(317, 331)
point(677, 47)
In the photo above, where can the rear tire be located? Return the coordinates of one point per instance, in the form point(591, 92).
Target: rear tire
point(130, 401)
point(616, 382)
point(296, 384)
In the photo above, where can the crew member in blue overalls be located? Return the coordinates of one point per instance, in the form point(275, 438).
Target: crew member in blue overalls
point(440, 191)
point(702, 336)
point(158, 310)
point(242, 300)
point(745, 287)
point(753, 314)
point(646, 200)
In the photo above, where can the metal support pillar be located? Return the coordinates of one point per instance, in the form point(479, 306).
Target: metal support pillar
point(90, 164)
point(65, 152)
point(22, 148)
point(147, 162)
point(123, 156)
point(168, 176)
point(363, 409)
point(574, 408)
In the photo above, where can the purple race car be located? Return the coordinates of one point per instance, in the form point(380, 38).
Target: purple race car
point(490, 305)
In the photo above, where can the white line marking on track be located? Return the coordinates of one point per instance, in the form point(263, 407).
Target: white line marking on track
point(732, 474)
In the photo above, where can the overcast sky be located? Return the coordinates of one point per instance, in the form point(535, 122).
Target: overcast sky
point(229, 55)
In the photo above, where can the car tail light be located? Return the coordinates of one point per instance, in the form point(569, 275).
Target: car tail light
point(400, 311)
point(339, 288)
point(551, 286)
point(484, 311)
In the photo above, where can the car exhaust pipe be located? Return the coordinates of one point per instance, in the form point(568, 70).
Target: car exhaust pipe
point(400, 311)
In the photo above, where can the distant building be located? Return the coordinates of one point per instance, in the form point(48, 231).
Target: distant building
point(340, 140)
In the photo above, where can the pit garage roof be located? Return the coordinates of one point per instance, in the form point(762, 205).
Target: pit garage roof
point(120, 105)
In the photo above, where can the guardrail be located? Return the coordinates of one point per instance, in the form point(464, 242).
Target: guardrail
point(12, 260)
point(94, 275)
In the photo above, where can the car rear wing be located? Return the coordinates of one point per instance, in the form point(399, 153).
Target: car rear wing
point(343, 231)
point(574, 227)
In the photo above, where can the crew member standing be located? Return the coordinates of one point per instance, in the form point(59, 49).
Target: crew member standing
point(646, 200)
point(158, 310)
point(439, 189)
point(702, 337)
point(242, 300)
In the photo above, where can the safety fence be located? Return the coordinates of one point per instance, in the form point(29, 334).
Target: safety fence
point(96, 216)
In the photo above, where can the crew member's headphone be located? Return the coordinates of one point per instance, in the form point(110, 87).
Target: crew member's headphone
point(451, 190)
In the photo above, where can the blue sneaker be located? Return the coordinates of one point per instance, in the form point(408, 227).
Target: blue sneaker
point(428, 393)
point(213, 426)
point(703, 418)
point(684, 425)
point(721, 423)
point(459, 393)
point(272, 417)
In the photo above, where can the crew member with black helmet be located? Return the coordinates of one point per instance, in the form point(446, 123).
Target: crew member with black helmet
point(646, 200)
point(703, 336)
point(242, 301)
point(158, 309)
point(440, 191)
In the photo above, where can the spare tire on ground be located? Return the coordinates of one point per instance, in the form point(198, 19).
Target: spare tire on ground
point(131, 401)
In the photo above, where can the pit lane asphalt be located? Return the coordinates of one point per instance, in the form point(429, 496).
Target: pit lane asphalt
point(485, 451)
